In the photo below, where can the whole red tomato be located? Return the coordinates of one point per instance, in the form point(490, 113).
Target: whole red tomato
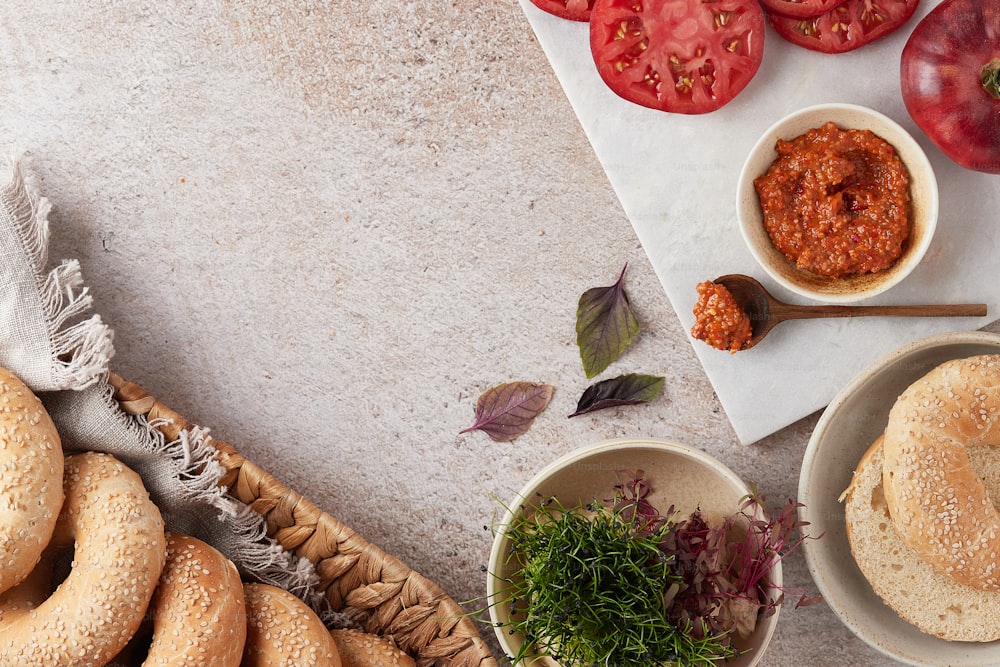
point(684, 56)
point(950, 76)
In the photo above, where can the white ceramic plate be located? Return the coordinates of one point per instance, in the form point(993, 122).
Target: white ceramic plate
point(852, 421)
point(679, 475)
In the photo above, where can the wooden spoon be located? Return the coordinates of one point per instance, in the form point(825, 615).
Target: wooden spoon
point(765, 311)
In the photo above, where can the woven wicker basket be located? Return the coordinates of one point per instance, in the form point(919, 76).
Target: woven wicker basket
point(389, 597)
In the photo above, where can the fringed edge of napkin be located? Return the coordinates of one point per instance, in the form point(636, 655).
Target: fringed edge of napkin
point(193, 463)
point(200, 475)
point(81, 351)
point(263, 558)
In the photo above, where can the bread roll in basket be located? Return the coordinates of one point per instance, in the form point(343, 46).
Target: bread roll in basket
point(388, 597)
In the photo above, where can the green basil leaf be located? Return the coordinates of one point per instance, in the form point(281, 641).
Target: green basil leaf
point(605, 325)
point(507, 410)
point(631, 389)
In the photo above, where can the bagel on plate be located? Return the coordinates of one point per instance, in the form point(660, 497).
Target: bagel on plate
point(939, 505)
point(933, 602)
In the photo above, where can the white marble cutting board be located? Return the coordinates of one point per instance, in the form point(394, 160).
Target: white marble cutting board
point(676, 176)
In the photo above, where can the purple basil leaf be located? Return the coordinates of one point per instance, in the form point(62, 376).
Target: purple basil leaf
point(605, 325)
point(630, 389)
point(507, 410)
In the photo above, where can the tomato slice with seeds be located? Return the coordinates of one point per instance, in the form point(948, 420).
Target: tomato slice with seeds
point(574, 10)
point(848, 26)
point(799, 8)
point(682, 56)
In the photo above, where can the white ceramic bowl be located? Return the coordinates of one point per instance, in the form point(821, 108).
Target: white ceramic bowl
point(923, 190)
point(681, 476)
point(852, 421)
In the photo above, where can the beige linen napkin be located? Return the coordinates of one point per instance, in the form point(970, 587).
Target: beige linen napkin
point(50, 342)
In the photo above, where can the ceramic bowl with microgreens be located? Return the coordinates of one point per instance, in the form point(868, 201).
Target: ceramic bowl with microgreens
point(593, 562)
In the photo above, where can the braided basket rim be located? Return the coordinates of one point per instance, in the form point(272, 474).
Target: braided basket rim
point(381, 592)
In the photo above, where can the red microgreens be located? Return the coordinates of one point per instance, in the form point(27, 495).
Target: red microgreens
point(766, 542)
point(724, 569)
point(696, 549)
point(631, 503)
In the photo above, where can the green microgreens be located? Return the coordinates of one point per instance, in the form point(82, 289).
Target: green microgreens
point(618, 583)
point(590, 585)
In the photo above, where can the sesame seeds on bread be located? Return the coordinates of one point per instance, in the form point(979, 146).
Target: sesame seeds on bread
point(198, 610)
point(362, 649)
point(938, 503)
point(31, 475)
point(116, 536)
point(283, 631)
point(931, 601)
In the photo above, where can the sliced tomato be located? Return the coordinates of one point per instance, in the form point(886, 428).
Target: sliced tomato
point(799, 8)
point(574, 10)
point(848, 26)
point(683, 56)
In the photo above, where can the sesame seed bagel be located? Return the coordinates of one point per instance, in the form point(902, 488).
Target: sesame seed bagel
point(31, 592)
point(935, 603)
point(198, 612)
point(31, 472)
point(938, 504)
point(283, 631)
point(118, 556)
point(363, 649)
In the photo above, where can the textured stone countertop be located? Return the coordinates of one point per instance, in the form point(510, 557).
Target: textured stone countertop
point(323, 229)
